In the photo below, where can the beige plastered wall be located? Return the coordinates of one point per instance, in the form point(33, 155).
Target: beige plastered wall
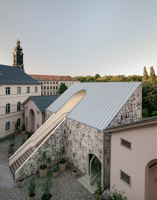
point(13, 99)
point(133, 162)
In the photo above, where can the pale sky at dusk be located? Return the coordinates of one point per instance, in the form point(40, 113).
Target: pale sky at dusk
point(80, 37)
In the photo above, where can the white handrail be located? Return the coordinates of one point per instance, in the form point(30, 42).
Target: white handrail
point(37, 137)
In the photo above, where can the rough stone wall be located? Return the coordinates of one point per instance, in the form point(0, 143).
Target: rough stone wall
point(131, 111)
point(52, 146)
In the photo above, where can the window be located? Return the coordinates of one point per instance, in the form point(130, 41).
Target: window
point(7, 126)
point(124, 177)
point(19, 122)
point(56, 87)
point(47, 87)
point(44, 87)
point(47, 93)
point(7, 90)
point(126, 143)
point(47, 82)
point(41, 87)
point(28, 90)
point(53, 82)
point(50, 87)
point(7, 108)
point(53, 87)
point(44, 82)
point(18, 106)
point(18, 90)
point(50, 82)
point(36, 89)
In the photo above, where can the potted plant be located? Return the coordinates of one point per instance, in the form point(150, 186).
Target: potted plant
point(74, 172)
point(96, 197)
point(47, 189)
point(16, 128)
point(99, 189)
point(23, 129)
point(62, 159)
point(31, 188)
point(21, 176)
point(43, 166)
point(55, 172)
point(11, 146)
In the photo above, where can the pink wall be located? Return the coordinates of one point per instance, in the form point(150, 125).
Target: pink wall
point(30, 105)
point(133, 162)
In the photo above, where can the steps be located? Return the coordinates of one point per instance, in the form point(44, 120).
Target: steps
point(15, 166)
point(85, 182)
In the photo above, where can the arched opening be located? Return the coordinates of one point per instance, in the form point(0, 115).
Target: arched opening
point(31, 121)
point(151, 180)
point(94, 169)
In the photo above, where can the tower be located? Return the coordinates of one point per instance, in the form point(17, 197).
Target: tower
point(18, 56)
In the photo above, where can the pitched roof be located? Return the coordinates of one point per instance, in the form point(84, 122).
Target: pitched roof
point(101, 103)
point(42, 102)
point(52, 78)
point(13, 75)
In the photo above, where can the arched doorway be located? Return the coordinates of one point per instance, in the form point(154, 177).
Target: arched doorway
point(94, 169)
point(31, 121)
point(151, 180)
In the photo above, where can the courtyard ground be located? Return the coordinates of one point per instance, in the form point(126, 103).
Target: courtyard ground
point(64, 187)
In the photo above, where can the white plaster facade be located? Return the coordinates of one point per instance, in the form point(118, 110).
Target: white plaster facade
point(13, 98)
point(136, 161)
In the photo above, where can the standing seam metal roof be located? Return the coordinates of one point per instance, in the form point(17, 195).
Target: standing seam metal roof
point(101, 103)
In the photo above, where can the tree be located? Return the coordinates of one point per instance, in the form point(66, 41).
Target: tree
point(62, 88)
point(152, 77)
point(97, 76)
point(145, 75)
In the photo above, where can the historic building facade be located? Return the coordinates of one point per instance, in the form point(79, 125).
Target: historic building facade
point(50, 84)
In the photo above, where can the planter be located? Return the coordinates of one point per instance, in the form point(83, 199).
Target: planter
point(32, 198)
point(55, 173)
point(21, 183)
point(16, 132)
point(23, 132)
point(62, 167)
point(43, 172)
point(74, 173)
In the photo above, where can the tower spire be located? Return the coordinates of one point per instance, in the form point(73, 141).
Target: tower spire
point(18, 56)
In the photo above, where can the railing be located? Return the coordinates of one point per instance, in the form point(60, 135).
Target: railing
point(37, 136)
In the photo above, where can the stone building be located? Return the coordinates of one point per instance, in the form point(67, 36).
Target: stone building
point(50, 84)
point(34, 110)
point(15, 88)
point(78, 120)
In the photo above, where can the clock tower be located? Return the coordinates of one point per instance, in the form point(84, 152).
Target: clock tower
point(18, 56)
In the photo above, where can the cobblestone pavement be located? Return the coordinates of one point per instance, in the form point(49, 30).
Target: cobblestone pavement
point(64, 187)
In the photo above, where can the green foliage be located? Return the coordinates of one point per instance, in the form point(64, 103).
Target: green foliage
point(31, 187)
point(145, 113)
point(44, 160)
point(96, 196)
point(149, 97)
point(29, 134)
point(145, 75)
point(23, 127)
point(62, 88)
point(99, 187)
point(116, 195)
point(16, 126)
point(154, 113)
point(47, 188)
point(97, 76)
point(23, 141)
point(21, 175)
point(61, 155)
point(12, 140)
point(152, 77)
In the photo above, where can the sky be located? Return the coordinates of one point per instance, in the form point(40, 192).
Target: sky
point(80, 37)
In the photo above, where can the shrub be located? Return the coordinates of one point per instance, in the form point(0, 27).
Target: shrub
point(116, 195)
point(31, 187)
point(154, 113)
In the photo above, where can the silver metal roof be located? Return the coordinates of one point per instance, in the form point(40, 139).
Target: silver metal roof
point(101, 103)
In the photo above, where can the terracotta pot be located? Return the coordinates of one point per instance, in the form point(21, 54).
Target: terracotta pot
point(43, 173)
point(55, 174)
point(62, 167)
point(100, 196)
point(23, 132)
point(74, 173)
point(32, 198)
point(21, 183)
point(16, 132)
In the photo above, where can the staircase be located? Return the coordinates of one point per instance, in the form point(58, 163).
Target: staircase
point(22, 155)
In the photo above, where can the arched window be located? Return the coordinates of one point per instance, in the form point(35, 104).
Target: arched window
point(18, 106)
point(7, 108)
point(19, 122)
point(7, 126)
